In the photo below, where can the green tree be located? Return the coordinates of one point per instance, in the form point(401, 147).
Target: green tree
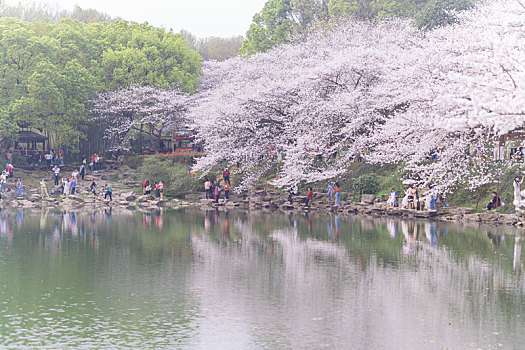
point(50, 72)
point(283, 21)
point(220, 49)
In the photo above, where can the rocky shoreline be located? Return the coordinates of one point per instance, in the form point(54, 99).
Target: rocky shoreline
point(261, 198)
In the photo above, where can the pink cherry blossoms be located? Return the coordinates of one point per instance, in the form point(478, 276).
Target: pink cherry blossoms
point(381, 92)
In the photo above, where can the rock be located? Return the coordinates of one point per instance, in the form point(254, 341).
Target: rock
point(486, 217)
point(472, 217)
point(193, 197)
point(106, 177)
point(130, 197)
point(206, 202)
point(463, 211)
point(368, 198)
point(145, 198)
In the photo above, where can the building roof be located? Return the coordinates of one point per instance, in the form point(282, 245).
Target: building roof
point(30, 136)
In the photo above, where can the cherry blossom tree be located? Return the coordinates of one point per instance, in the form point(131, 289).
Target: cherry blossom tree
point(381, 92)
point(139, 110)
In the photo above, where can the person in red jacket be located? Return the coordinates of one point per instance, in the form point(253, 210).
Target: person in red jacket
point(309, 196)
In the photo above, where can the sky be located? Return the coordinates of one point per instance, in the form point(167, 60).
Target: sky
point(203, 18)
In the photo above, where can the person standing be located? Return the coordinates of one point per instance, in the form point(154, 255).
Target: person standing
point(3, 182)
point(109, 192)
point(19, 187)
point(216, 192)
point(56, 173)
point(207, 188)
point(417, 197)
point(337, 191)
point(49, 158)
point(161, 189)
point(67, 186)
point(73, 184)
point(227, 188)
point(82, 171)
point(226, 176)
point(93, 162)
point(10, 170)
point(517, 192)
point(157, 190)
point(433, 199)
point(330, 191)
point(309, 196)
point(43, 189)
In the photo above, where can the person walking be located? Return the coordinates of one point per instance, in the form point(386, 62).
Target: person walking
point(207, 188)
point(56, 173)
point(330, 192)
point(226, 176)
point(227, 188)
point(309, 196)
point(337, 191)
point(43, 189)
point(109, 192)
point(19, 187)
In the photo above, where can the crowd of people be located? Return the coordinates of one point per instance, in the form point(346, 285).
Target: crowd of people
point(157, 188)
point(213, 190)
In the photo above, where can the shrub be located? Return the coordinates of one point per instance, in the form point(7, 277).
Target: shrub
point(174, 175)
point(365, 184)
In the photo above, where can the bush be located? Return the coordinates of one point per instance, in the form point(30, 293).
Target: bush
point(173, 174)
point(365, 184)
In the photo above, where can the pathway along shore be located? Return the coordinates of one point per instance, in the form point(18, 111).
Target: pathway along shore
point(127, 194)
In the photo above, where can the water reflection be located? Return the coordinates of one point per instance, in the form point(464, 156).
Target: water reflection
point(220, 279)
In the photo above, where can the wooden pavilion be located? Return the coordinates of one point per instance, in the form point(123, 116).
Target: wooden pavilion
point(29, 141)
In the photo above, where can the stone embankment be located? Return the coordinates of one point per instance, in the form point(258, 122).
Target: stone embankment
point(124, 185)
point(260, 198)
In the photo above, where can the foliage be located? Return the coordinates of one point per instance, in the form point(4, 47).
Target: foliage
point(142, 110)
point(174, 175)
point(51, 71)
point(365, 184)
point(220, 49)
point(287, 21)
point(377, 92)
point(439, 13)
point(38, 12)
point(282, 21)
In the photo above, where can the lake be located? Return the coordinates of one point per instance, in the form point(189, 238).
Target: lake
point(237, 280)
